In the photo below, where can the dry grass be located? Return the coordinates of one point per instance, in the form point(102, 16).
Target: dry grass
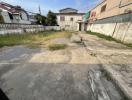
point(54, 46)
point(32, 39)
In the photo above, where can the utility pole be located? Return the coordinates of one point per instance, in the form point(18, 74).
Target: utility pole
point(39, 10)
point(40, 14)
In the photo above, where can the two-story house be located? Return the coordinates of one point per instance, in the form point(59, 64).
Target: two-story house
point(109, 8)
point(68, 19)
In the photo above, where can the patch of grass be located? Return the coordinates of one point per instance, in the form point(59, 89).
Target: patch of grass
point(109, 38)
point(54, 46)
point(31, 38)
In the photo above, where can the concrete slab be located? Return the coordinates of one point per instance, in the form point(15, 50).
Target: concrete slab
point(24, 77)
point(115, 59)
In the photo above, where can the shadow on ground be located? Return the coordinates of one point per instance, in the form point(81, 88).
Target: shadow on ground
point(48, 81)
point(3, 96)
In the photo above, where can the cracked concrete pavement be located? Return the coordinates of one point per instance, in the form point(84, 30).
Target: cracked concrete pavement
point(40, 74)
point(115, 58)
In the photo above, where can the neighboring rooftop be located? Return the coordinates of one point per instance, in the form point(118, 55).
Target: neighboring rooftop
point(68, 10)
point(10, 8)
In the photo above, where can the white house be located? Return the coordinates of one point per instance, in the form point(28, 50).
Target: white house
point(13, 14)
point(68, 19)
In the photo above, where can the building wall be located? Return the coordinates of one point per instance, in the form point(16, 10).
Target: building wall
point(114, 21)
point(25, 18)
point(68, 24)
point(6, 17)
point(16, 18)
point(113, 7)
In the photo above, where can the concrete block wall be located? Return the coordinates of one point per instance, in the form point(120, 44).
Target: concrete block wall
point(32, 30)
point(119, 27)
point(52, 28)
point(21, 28)
point(11, 31)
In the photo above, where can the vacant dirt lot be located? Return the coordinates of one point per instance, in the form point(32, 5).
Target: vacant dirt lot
point(41, 74)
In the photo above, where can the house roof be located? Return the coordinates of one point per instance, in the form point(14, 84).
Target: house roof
point(68, 8)
point(70, 13)
point(11, 8)
point(98, 5)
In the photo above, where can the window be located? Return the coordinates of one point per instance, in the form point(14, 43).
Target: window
point(10, 15)
point(62, 18)
point(71, 19)
point(103, 8)
point(93, 14)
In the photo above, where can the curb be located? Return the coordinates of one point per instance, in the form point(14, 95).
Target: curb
point(122, 89)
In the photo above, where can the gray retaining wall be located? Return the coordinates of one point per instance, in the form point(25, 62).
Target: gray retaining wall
point(119, 27)
point(22, 28)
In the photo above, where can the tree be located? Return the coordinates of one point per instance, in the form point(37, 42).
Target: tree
point(51, 19)
point(40, 19)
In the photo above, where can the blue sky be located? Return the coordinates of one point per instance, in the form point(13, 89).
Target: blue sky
point(54, 5)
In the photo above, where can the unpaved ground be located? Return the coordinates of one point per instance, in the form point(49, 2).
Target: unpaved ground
point(40, 74)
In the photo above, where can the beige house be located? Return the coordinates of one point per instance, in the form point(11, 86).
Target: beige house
point(109, 8)
point(112, 18)
point(68, 19)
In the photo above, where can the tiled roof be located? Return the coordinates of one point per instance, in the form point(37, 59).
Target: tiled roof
point(70, 13)
point(9, 8)
point(68, 8)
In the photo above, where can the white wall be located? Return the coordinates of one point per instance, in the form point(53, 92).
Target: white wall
point(119, 27)
point(121, 31)
point(25, 18)
point(6, 17)
point(73, 25)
